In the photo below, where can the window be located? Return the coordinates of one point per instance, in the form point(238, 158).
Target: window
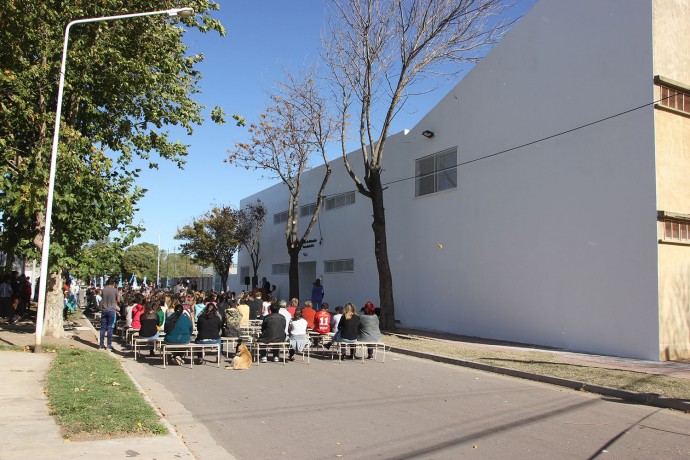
point(307, 210)
point(244, 273)
point(674, 99)
point(280, 218)
point(339, 266)
point(675, 228)
point(673, 95)
point(338, 201)
point(436, 172)
point(280, 269)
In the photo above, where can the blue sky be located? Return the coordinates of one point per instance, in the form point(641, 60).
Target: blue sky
point(264, 38)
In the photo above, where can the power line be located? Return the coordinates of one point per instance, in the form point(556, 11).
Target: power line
point(568, 131)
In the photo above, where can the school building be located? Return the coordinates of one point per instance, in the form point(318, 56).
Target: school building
point(548, 202)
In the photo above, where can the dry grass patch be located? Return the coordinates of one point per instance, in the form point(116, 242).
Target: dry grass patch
point(549, 364)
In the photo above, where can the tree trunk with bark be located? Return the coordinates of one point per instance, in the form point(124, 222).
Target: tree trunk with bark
point(53, 325)
point(294, 270)
point(387, 304)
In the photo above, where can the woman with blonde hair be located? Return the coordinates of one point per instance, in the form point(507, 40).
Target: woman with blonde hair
point(348, 328)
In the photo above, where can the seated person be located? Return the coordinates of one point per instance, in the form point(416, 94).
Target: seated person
point(298, 334)
point(348, 327)
point(309, 313)
point(149, 325)
point(368, 330)
point(272, 331)
point(232, 319)
point(208, 328)
point(178, 329)
point(322, 320)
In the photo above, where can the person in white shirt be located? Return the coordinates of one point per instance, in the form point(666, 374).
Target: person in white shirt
point(336, 318)
point(299, 337)
point(288, 317)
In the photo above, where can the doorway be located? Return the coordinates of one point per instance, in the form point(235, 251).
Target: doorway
point(307, 275)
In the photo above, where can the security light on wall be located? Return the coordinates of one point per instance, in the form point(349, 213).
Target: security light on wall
point(428, 134)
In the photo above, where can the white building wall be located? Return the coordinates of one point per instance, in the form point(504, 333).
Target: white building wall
point(552, 244)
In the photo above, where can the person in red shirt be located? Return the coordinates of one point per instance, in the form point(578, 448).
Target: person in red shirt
point(322, 320)
point(294, 303)
point(309, 313)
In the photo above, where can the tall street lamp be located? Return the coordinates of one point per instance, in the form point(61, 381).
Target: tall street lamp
point(182, 12)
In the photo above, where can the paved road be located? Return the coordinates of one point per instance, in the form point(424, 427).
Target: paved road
point(410, 408)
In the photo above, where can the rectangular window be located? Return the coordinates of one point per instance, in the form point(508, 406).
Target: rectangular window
point(280, 218)
point(307, 210)
point(280, 269)
point(675, 227)
point(436, 172)
point(673, 95)
point(244, 272)
point(339, 266)
point(338, 201)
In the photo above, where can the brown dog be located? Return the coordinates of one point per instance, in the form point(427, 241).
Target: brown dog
point(242, 359)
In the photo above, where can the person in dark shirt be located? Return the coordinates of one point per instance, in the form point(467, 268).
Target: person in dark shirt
point(208, 328)
point(272, 331)
point(348, 327)
point(255, 305)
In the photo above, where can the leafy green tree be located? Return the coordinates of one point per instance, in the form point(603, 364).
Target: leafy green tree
point(98, 258)
point(140, 260)
point(126, 82)
point(211, 240)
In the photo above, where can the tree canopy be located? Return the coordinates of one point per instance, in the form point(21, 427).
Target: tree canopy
point(211, 240)
point(126, 82)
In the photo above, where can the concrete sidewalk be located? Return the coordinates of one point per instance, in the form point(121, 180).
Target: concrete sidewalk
point(29, 431)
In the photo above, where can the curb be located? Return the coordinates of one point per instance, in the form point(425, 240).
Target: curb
point(642, 398)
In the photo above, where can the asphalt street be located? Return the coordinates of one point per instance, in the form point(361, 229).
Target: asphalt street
point(409, 408)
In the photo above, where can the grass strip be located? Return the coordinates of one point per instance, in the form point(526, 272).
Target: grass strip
point(92, 397)
point(548, 364)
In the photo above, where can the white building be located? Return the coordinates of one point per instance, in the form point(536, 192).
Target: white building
point(578, 241)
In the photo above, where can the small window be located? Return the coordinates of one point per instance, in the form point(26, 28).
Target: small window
point(244, 272)
point(436, 172)
point(307, 210)
point(338, 201)
point(280, 218)
point(280, 269)
point(339, 266)
point(673, 95)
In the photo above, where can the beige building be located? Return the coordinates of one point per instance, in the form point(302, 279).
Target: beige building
point(671, 34)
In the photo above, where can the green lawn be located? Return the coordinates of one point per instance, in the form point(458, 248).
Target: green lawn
point(91, 396)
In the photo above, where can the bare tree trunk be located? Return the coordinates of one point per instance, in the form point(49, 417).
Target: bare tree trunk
point(53, 325)
point(294, 271)
point(381, 252)
point(224, 282)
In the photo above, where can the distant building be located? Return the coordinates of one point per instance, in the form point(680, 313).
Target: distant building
point(570, 238)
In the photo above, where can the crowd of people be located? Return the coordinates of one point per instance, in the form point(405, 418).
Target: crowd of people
point(215, 315)
point(15, 296)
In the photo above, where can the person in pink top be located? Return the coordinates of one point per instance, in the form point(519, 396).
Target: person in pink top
point(137, 311)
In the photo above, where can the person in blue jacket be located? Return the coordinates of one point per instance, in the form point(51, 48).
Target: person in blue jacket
point(178, 329)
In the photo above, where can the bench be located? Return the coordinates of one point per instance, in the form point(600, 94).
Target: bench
point(189, 349)
point(230, 343)
point(138, 343)
point(340, 348)
point(283, 347)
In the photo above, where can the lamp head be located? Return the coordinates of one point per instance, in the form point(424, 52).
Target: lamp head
point(181, 12)
point(428, 134)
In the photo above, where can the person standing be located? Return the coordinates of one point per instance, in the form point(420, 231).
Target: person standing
point(111, 298)
point(317, 294)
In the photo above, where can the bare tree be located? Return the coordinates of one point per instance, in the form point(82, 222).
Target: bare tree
point(250, 221)
point(295, 127)
point(376, 51)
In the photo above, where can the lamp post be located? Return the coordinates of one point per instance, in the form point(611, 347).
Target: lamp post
point(182, 12)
